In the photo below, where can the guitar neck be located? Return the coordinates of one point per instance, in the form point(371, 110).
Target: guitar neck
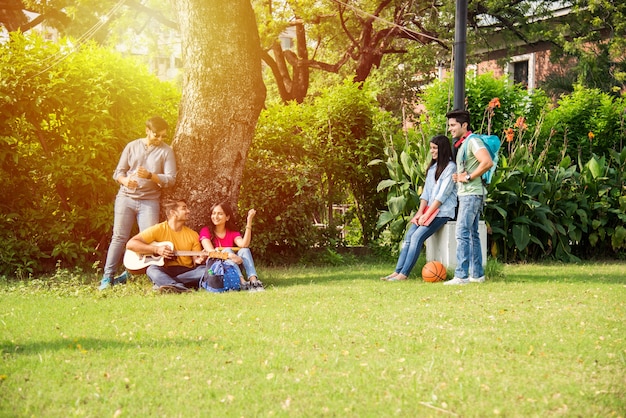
point(188, 253)
point(212, 254)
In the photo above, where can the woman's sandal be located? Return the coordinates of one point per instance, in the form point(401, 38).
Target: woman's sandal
point(390, 277)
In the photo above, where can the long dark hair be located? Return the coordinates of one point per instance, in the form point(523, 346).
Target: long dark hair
point(231, 224)
point(444, 154)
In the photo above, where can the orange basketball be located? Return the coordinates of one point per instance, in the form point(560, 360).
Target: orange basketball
point(434, 271)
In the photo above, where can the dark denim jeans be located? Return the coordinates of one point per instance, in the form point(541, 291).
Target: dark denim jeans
point(179, 276)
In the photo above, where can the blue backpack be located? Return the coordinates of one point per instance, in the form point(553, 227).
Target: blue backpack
point(219, 277)
point(492, 143)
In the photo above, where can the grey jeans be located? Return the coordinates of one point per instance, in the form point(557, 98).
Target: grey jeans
point(127, 212)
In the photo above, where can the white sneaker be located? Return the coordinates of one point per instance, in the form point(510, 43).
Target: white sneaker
point(480, 279)
point(457, 280)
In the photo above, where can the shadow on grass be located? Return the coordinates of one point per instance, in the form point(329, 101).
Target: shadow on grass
point(86, 345)
point(275, 278)
point(602, 273)
point(324, 275)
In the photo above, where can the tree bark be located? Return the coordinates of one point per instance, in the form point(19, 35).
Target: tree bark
point(222, 97)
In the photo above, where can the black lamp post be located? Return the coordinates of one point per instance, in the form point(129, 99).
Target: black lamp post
point(460, 42)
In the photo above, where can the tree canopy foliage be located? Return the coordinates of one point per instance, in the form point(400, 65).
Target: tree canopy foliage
point(353, 38)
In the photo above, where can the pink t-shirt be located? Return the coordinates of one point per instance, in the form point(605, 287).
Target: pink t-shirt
point(227, 241)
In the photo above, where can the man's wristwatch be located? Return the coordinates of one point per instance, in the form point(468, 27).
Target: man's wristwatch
point(468, 177)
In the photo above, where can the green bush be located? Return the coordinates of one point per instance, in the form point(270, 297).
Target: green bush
point(346, 132)
point(407, 173)
point(307, 157)
point(561, 212)
point(281, 182)
point(553, 196)
point(532, 212)
point(584, 123)
point(65, 116)
point(514, 101)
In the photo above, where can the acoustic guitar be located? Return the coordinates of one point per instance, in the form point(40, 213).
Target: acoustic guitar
point(137, 263)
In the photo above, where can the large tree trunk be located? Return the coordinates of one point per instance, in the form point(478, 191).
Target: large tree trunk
point(223, 94)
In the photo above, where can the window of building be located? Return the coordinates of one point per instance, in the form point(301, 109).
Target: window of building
point(521, 70)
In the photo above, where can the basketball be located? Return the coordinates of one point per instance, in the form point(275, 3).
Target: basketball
point(434, 271)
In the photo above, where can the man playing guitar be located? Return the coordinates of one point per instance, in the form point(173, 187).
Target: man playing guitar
point(183, 261)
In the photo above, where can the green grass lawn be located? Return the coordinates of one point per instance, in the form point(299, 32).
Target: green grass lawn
point(542, 340)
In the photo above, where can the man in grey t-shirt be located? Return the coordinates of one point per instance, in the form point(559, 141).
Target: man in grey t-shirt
point(146, 166)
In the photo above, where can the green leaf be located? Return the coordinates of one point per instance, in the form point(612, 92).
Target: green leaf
point(594, 168)
point(384, 184)
point(582, 215)
point(521, 236)
point(397, 205)
point(383, 219)
point(397, 227)
point(537, 241)
point(501, 211)
point(521, 220)
point(565, 162)
point(618, 240)
point(593, 239)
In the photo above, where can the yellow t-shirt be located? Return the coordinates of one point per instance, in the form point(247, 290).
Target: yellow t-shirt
point(184, 240)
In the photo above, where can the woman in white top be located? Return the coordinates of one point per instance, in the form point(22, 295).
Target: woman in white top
point(439, 194)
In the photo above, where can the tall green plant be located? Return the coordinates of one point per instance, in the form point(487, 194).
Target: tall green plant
point(407, 172)
point(563, 211)
point(65, 116)
point(346, 137)
point(604, 181)
point(530, 207)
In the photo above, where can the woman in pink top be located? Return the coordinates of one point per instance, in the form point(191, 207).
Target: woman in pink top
point(222, 235)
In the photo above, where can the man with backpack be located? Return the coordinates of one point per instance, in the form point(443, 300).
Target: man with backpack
point(472, 161)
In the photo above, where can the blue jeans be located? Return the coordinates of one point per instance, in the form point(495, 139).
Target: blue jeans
point(413, 242)
point(127, 211)
point(248, 263)
point(179, 276)
point(469, 256)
